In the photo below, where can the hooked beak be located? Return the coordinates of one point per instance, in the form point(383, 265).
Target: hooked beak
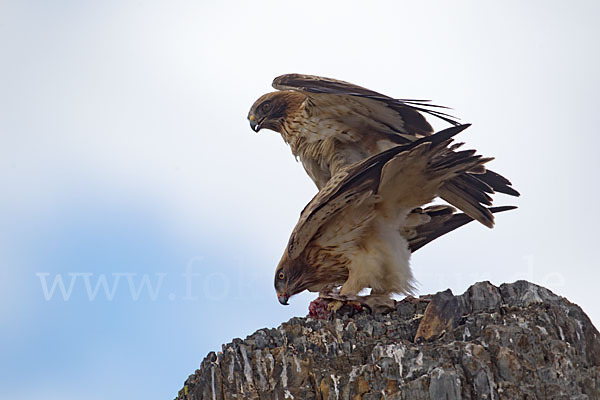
point(254, 124)
point(283, 299)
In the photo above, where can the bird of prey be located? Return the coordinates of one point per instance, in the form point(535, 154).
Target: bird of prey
point(349, 234)
point(330, 124)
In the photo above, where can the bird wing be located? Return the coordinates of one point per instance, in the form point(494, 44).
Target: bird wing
point(442, 220)
point(364, 107)
point(415, 177)
point(341, 191)
point(351, 186)
point(398, 120)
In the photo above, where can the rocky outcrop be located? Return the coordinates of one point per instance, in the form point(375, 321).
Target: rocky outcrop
point(516, 341)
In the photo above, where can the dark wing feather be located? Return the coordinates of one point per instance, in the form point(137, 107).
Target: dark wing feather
point(412, 121)
point(358, 180)
point(497, 182)
point(409, 110)
point(443, 220)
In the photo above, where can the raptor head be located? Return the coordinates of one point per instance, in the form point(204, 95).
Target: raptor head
point(282, 286)
point(293, 277)
point(271, 109)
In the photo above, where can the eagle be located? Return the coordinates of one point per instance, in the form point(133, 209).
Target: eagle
point(330, 124)
point(349, 233)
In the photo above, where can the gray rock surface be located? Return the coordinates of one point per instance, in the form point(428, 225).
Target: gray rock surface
point(516, 341)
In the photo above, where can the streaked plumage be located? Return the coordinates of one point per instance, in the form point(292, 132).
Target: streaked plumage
point(330, 124)
point(356, 231)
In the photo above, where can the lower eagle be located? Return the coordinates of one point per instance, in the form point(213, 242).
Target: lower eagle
point(359, 230)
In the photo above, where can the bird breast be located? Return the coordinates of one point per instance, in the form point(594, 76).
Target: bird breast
point(324, 146)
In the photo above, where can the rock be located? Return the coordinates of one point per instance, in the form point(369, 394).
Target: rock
point(442, 314)
point(518, 340)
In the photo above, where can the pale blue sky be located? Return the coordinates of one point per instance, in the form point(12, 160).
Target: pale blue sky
point(124, 149)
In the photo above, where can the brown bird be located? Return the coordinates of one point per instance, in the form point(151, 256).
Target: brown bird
point(330, 124)
point(349, 232)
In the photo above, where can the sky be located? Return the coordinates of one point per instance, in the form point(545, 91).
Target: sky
point(141, 219)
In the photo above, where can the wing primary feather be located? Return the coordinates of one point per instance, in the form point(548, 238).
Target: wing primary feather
point(498, 183)
point(442, 223)
point(360, 177)
point(318, 84)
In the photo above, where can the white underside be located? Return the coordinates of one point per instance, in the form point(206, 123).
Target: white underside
point(382, 262)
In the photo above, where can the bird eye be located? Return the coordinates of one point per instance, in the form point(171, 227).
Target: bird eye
point(266, 106)
point(281, 275)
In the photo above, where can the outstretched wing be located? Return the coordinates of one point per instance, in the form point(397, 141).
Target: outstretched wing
point(399, 116)
point(398, 120)
point(351, 185)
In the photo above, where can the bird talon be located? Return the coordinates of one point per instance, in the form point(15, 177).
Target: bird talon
point(335, 305)
point(326, 307)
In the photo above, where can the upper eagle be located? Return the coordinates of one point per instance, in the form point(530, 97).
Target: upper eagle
point(330, 124)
